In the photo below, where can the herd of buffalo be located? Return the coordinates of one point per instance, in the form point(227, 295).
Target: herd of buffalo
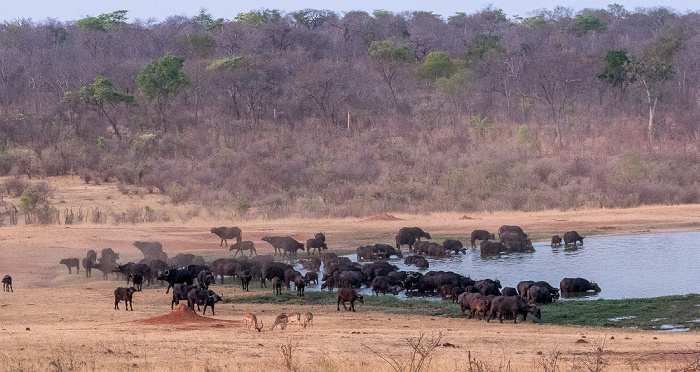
point(484, 298)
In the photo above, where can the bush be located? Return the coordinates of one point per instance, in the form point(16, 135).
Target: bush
point(15, 186)
point(177, 193)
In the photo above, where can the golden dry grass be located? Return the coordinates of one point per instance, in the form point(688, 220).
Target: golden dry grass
point(53, 319)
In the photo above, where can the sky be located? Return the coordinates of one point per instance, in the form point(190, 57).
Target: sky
point(71, 10)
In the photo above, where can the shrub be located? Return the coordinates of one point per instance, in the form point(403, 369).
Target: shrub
point(177, 193)
point(15, 186)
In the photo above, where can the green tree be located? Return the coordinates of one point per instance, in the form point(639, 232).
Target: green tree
point(311, 18)
point(483, 44)
point(161, 81)
point(207, 22)
point(585, 23)
point(437, 65)
point(389, 59)
point(259, 18)
point(103, 98)
point(103, 22)
point(615, 72)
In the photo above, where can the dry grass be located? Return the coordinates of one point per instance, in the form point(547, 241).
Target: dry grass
point(58, 322)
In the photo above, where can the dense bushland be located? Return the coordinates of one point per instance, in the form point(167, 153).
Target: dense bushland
point(314, 113)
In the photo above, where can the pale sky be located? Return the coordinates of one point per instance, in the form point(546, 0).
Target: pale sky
point(71, 10)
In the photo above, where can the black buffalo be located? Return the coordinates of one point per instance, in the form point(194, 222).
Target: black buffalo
point(174, 276)
point(511, 229)
point(453, 246)
point(503, 306)
point(203, 297)
point(318, 242)
point(124, 294)
point(556, 241)
point(574, 285)
point(571, 237)
point(285, 245)
point(481, 235)
point(226, 233)
point(71, 262)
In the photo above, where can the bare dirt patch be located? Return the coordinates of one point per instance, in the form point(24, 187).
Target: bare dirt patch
point(382, 217)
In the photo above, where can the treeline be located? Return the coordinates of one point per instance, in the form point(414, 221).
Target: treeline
point(317, 113)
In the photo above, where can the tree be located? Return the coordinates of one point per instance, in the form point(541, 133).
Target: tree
point(652, 74)
point(104, 99)
point(310, 18)
point(207, 22)
point(584, 23)
point(615, 72)
point(103, 22)
point(257, 19)
point(389, 59)
point(161, 81)
point(437, 65)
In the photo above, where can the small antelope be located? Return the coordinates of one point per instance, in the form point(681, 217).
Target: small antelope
point(252, 320)
point(281, 320)
point(308, 319)
point(294, 318)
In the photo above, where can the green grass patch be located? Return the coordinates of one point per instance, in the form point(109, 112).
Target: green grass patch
point(642, 313)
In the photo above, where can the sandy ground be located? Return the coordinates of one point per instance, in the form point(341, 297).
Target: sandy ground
point(54, 320)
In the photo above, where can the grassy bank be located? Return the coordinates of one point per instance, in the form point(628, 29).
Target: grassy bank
point(660, 313)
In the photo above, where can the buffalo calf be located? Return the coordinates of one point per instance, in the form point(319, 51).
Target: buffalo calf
point(7, 284)
point(124, 294)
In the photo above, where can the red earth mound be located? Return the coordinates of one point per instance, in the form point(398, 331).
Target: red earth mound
point(181, 314)
point(382, 217)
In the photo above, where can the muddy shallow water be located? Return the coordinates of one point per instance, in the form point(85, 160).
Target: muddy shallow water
point(632, 266)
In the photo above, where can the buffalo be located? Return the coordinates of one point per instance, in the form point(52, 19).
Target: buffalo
point(71, 262)
point(574, 285)
point(453, 246)
point(242, 246)
point(124, 294)
point(226, 233)
point(7, 284)
point(202, 297)
point(185, 259)
point(151, 250)
point(511, 229)
point(246, 277)
point(384, 285)
point(311, 277)
point(205, 278)
point(180, 292)
point(277, 285)
point(286, 245)
point(571, 237)
point(174, 276)
point(87, 265)
point(509, 291)
point(300, 284)
point(503, 306)
point(539, 295)
point(481, 235)
point(409, 235)
point(108, 256)
point(318, 242)
point(348, 294)
point(137, 279)
point(556, 241)
point(491, 248)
